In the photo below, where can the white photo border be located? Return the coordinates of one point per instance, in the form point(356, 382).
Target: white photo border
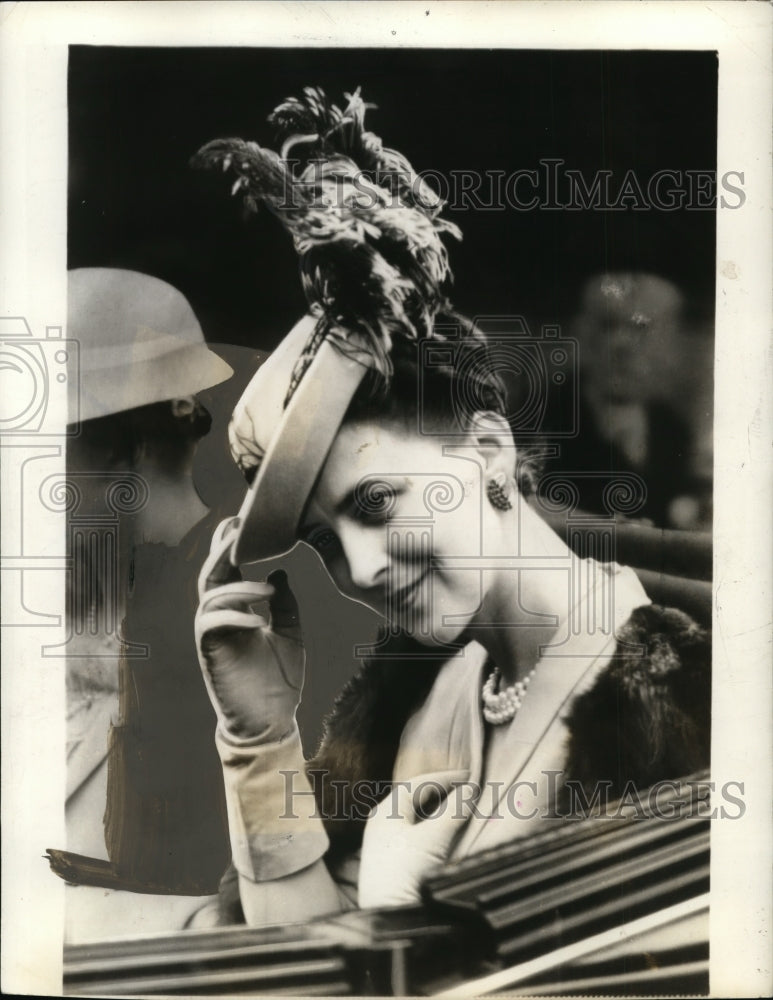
point(34, 39)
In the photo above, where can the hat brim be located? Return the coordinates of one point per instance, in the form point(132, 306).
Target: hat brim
point(110, 390)
point(271, 513)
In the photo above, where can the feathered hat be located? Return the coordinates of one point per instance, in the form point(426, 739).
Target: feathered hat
point(367, 231)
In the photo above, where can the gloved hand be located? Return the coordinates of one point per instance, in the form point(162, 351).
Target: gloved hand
point(408, 834)
point(253, 667)
point(253, 662)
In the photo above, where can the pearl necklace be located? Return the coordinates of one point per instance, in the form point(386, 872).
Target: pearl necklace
point(501, 706)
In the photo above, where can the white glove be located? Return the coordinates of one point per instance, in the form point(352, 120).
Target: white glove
point(408, 835)
point(253, 663)
point(253, 667)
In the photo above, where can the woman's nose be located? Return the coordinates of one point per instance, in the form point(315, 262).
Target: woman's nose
point(366, 555)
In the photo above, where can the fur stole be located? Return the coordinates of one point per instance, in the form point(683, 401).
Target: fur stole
point(646, 718)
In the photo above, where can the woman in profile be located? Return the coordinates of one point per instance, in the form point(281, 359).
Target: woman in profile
point(146, 835)
point(511, 671)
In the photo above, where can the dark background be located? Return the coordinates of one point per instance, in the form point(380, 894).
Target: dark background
point(137, 115)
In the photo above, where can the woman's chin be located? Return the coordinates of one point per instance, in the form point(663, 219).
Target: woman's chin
point(436, 616)
point(432, 634)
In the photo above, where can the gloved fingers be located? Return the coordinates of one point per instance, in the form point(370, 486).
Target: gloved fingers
point(285, 617)
point(291, 668)
point(239, 596)
point(217, 568)
point(225, 527)
point(227, 619)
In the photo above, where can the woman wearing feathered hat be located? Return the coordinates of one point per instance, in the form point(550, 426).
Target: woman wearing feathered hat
point(377, 434)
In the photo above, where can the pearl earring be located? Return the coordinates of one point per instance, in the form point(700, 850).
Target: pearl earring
point(496, 493)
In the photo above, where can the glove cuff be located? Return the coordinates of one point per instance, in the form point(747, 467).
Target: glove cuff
point(273, 819)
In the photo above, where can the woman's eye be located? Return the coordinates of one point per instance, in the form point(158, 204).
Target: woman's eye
point(323, 540)
point(376, 503)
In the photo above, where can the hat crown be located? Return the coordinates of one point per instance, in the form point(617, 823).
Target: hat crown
point(139, 343)
point(259, 412)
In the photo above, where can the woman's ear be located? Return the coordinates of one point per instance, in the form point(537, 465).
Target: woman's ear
point(183, 406)
point(492, 438)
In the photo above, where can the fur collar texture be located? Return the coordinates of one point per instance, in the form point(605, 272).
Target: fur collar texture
point(645, 719)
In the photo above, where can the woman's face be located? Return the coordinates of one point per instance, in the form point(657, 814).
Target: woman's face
point(399, 523)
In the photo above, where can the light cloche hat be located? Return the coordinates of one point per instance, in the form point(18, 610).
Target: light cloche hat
point(139, 343)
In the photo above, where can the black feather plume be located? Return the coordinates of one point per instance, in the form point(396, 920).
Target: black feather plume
point(366, 227)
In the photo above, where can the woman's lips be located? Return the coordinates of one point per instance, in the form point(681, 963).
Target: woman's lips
point(406, 597)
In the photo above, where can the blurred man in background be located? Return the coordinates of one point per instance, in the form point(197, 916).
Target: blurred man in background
point(643, 393)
